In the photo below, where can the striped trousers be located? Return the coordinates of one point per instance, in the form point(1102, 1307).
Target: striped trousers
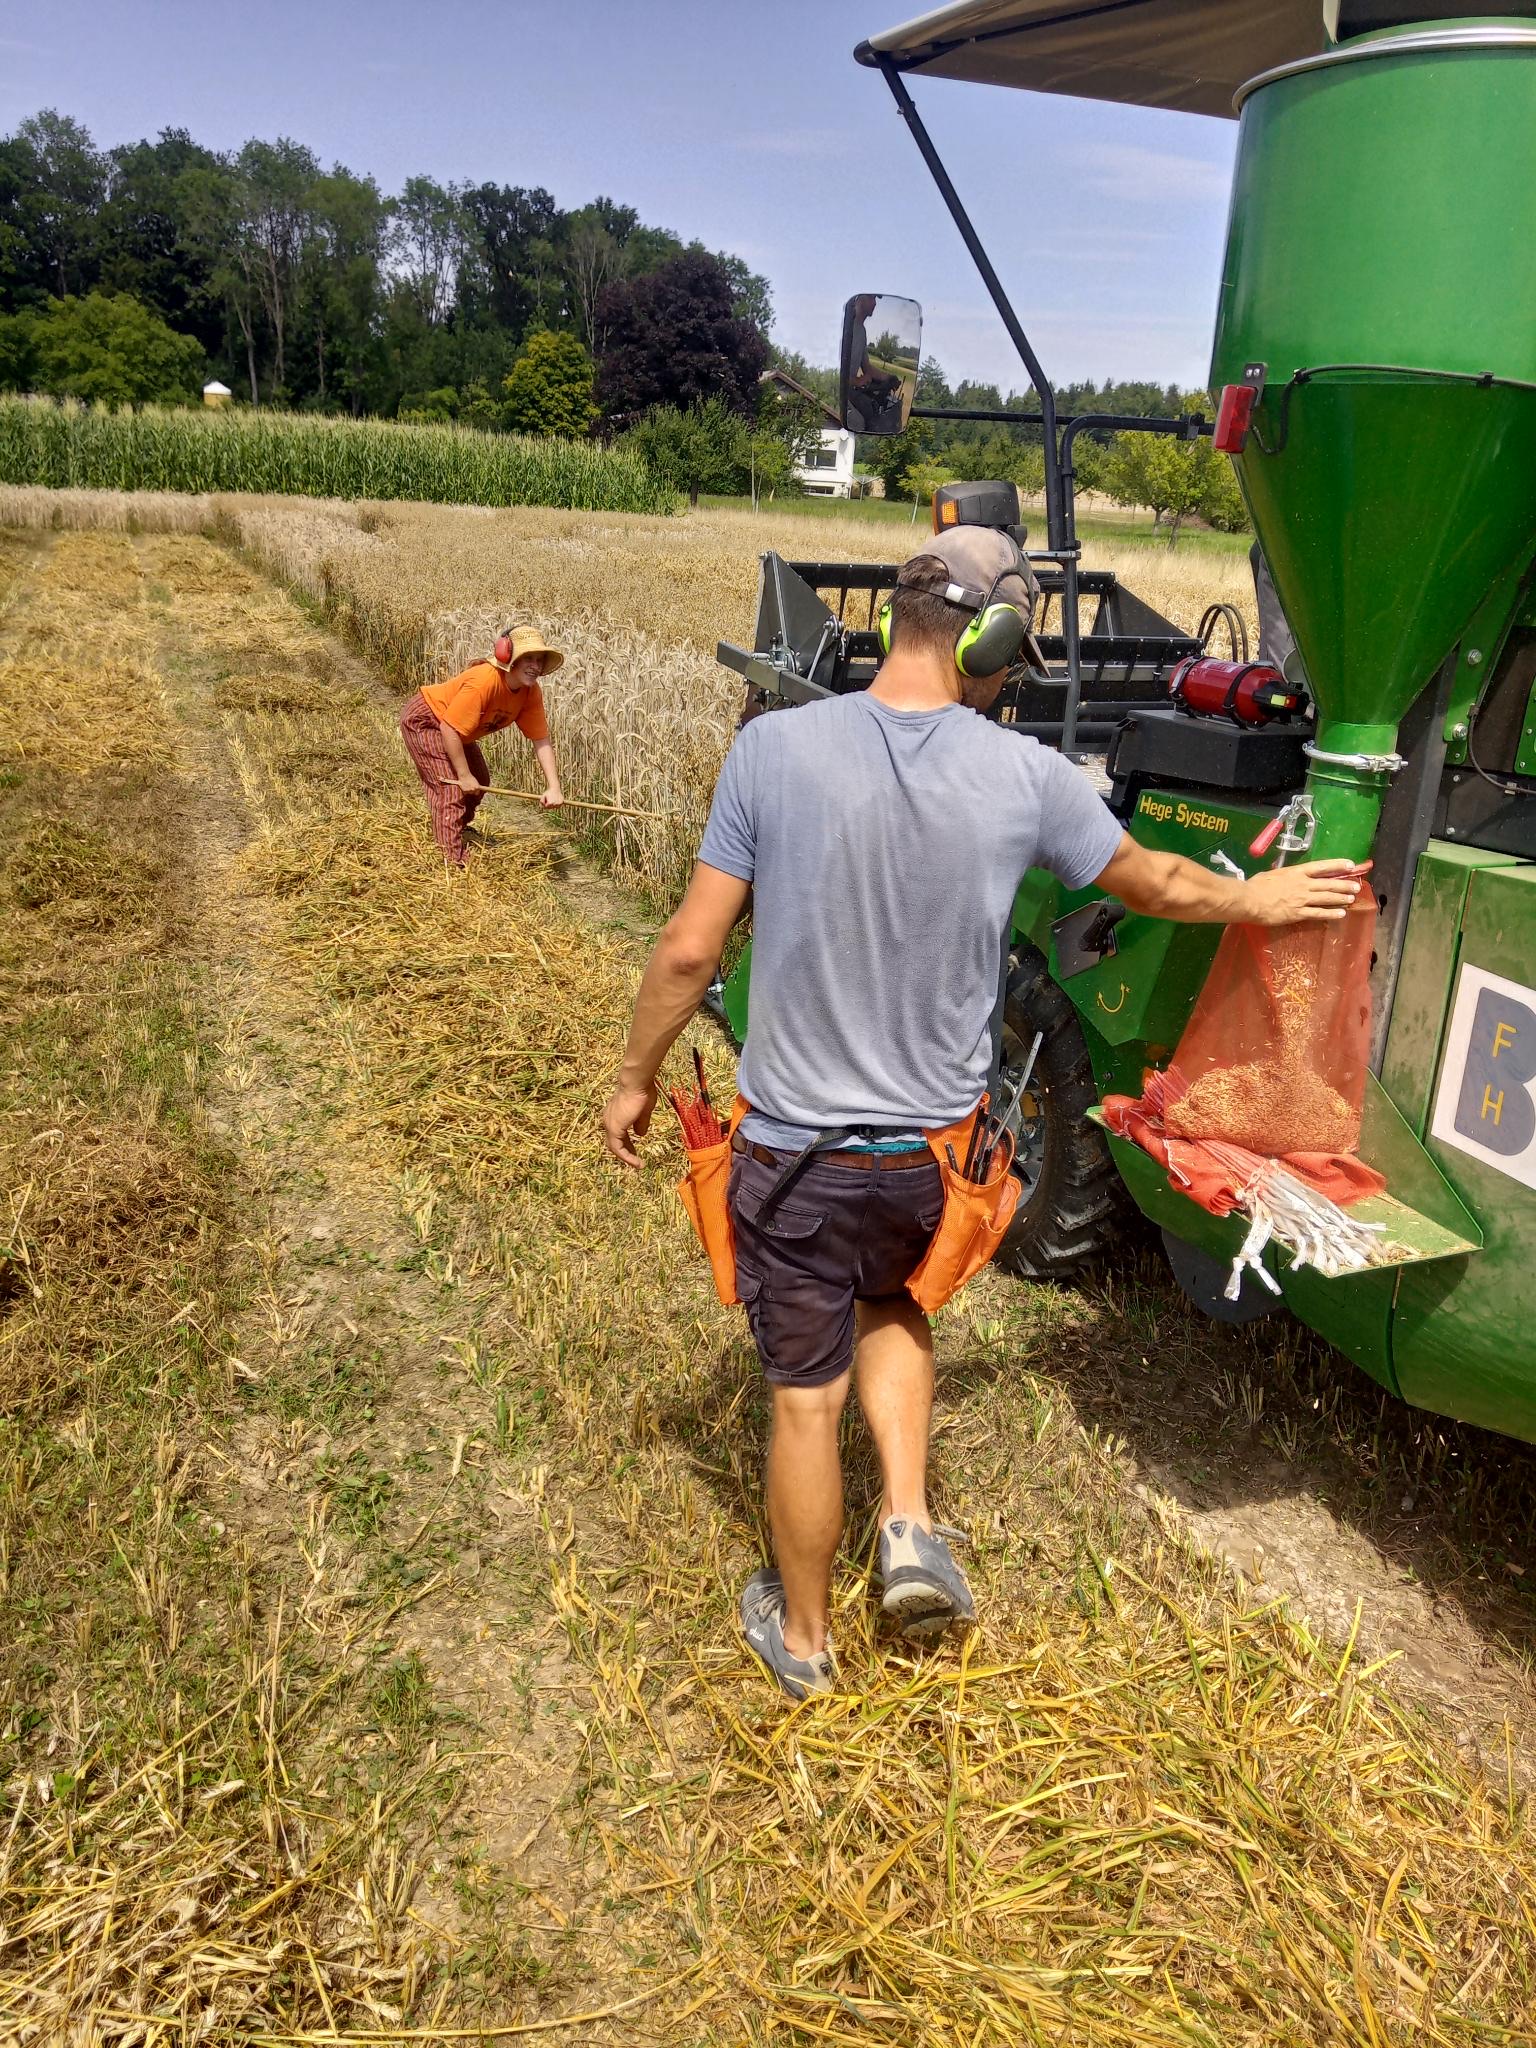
point(451, 809)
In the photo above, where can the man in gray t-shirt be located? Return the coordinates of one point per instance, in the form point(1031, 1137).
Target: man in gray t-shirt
point(885, 848)
point(882, 837)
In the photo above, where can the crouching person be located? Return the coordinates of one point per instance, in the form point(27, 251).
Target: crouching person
point(444, 722)
point(883, 835)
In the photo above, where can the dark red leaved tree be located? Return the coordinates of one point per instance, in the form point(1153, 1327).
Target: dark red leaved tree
point(672, 337)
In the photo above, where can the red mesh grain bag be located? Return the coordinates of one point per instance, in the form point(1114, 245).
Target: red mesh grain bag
point(1274, 1055)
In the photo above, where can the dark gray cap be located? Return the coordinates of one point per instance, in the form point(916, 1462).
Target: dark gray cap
point(976, 556)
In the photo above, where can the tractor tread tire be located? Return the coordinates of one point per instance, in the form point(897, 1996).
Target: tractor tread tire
point(1078, 1205)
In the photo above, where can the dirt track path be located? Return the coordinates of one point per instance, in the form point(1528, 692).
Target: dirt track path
point(396, 1477)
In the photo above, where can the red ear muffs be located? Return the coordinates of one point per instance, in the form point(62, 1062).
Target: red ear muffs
point(502, 653)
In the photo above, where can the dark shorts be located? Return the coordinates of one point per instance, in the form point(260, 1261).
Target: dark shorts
point(839, 1235)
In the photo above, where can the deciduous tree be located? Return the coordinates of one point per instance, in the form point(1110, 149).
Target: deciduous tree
point(549, 388)
point(63, 184)
point(142, 236)
point(104, 348)
point(428, 242)
point(276, 182)
point(1159, 471)
point(701, 447)
point(674, 338)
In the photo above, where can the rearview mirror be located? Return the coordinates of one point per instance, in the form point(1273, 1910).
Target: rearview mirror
point(882, 341)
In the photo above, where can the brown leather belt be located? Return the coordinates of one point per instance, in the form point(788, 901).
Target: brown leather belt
point(892, 1162)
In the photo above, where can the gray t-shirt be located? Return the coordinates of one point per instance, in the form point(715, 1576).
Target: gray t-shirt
point(885, 849)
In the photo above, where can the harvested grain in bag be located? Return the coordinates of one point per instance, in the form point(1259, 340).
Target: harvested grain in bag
point(1274, 1055)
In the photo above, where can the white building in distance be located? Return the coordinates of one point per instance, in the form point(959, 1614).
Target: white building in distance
point(827, 471)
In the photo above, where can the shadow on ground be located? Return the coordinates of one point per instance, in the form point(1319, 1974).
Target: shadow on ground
point(1318, 1484)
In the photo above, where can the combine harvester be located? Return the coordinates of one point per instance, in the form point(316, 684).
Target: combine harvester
point(1375, 357)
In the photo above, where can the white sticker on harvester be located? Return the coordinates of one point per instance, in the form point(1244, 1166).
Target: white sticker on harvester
point(1486, 1104)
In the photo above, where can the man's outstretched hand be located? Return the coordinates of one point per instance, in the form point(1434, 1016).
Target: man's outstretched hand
point(1317, 892)
point(626, 1117)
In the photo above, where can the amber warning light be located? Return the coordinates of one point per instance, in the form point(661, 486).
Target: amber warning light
point(1234, 415)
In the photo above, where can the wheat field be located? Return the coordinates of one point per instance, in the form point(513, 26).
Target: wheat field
point(641, 713)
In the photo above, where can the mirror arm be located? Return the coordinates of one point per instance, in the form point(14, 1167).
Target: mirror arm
point(987, 419)
point(1054, 508)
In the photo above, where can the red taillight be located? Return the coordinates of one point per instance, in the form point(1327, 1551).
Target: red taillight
point(1234, 415)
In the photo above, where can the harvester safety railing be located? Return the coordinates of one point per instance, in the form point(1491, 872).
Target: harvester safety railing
point(1059, 513)
point(1125, 658)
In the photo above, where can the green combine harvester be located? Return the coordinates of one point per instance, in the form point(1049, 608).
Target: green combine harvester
point(1375, 356)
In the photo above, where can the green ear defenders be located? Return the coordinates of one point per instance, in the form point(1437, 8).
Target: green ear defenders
point(993, 640)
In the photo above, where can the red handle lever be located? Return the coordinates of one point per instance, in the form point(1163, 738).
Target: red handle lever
point(1267, 837)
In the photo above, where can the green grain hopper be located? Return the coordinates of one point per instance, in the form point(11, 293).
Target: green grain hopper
point(1376, 355)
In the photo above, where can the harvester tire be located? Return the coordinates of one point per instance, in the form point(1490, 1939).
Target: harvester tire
point(1074, 1201)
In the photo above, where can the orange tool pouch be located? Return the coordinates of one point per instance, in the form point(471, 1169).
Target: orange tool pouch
point(703, 1190)
point(975, 1219)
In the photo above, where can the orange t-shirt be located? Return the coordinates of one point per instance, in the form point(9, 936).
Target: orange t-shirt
point(481, 700)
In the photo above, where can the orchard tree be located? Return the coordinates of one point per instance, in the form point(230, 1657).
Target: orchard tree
point(1174, 478)
point(1161, 471)
point(701, 447)
point(770, 465)
point(924, 477)
point(549, 388)
point(896, 454)
point(1222, 506)
point(675, 339)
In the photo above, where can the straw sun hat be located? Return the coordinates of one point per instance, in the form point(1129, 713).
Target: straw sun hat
point(511, 647)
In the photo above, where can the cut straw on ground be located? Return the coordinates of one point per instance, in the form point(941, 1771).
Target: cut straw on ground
point(1134, 1807)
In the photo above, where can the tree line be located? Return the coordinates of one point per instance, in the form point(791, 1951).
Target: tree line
point(1173, 478)
point(161, 263)
point(131, 274)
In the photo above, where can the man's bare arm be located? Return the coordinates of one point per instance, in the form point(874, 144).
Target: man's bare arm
point(1168, 885)
point(676, 976)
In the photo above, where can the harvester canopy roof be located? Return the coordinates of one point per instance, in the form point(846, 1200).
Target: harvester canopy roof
point(1188, 55)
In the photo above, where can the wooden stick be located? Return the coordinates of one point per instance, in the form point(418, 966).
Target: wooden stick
point(568, 803)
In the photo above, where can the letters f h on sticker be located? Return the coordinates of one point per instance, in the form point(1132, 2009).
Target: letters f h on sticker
point(1496, 1105)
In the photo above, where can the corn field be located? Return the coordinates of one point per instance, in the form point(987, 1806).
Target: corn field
point(68, 446)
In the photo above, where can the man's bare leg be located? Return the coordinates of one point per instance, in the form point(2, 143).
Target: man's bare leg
point(805, 1506)
point(893, 1366)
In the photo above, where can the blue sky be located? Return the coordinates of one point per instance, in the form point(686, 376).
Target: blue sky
point(749, 127)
